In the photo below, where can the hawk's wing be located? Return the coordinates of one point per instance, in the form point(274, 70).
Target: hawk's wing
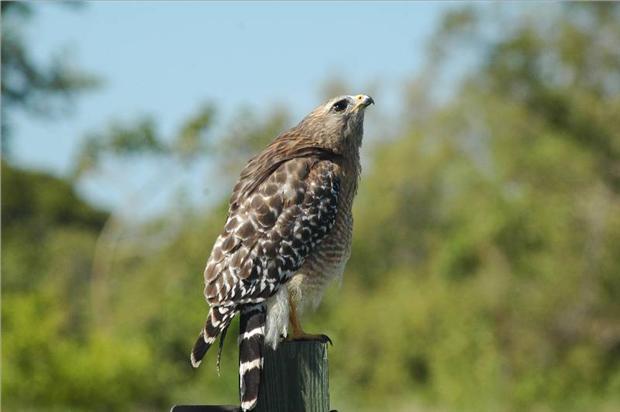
point(274, 223)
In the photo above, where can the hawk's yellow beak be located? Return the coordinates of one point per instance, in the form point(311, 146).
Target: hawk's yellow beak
point(362, 101)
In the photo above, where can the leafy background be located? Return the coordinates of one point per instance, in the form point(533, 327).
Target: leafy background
point(485, 273)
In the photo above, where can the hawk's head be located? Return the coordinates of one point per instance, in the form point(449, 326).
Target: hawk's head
point(337, 123)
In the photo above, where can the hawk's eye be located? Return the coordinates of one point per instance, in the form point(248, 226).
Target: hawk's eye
point(340, 105)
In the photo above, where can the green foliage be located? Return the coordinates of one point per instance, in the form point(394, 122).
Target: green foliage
point(37, 202)
point(484, 272)
point(191, 140)
point(35, 209)
point(26, 85)
point(141, 138)
point(119, 140)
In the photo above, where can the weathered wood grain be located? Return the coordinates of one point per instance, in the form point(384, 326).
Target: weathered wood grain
point(295, 378)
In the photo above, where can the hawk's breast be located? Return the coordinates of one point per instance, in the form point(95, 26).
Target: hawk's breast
point(328, 260)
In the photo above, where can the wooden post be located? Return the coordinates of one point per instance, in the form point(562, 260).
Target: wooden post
point(295, 379)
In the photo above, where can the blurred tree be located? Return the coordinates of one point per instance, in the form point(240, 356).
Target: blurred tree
point(34, 202)
point(140, 139)
point(500, 215)
point(27, 85)
point(122, 144)
point(34, 206)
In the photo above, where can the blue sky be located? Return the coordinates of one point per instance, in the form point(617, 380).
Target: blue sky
point(165, 58)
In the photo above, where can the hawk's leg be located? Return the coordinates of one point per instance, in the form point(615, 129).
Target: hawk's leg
point(298, 332)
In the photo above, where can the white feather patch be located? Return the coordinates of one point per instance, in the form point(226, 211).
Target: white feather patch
point(253, 332)
point(277, 317)
point(195, 363)
point(246, 366)
point(249, 404)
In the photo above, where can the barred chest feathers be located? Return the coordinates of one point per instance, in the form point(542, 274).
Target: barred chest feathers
point(324, 265)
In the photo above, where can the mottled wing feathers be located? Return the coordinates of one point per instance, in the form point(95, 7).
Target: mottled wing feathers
point(260, 167)
point(271, 230)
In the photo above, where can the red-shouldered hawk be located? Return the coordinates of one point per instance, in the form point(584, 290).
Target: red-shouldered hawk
point(288, 233)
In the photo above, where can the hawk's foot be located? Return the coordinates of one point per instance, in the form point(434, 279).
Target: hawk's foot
point(298, 332)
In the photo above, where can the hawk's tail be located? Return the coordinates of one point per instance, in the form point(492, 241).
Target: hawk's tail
point(218, 319)
point(251, 340)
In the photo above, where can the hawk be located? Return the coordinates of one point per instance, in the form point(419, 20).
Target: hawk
point(287, 235)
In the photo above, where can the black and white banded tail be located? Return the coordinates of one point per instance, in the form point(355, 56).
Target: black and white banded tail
point(251, 340)
point(218, 320)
